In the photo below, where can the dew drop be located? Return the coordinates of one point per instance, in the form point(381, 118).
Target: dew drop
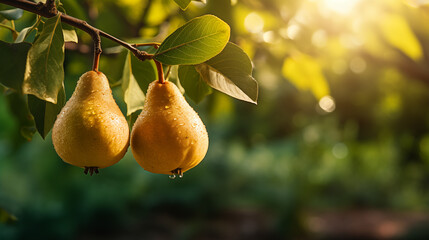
point(192, 142)
point(166, 107)
point(181, 124)
point(172, 176)
point(174, 119)
point(180, 175)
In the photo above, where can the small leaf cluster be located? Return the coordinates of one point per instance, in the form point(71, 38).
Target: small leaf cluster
point(32, 74)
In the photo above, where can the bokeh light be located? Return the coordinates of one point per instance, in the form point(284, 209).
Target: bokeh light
point(327, 104)
point(269, 37)
point(254, 23)
point(292, 31)
point(340, 150)
point(319, 38)
point(357, 65)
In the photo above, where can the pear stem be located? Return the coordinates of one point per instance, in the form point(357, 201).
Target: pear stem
point(97, 50)
point(161, 78)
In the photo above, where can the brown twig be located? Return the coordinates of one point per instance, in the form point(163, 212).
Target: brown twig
point(49, 9)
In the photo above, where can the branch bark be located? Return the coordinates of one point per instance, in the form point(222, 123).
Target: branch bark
point(49, 10)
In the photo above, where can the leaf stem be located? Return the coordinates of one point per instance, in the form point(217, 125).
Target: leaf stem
point(39, 19)
point(115, 84)
point(8, 27)
point(161, 78)
point(153, 44)
point(168, 72)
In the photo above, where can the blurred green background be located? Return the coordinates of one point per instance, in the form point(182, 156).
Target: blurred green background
point(337, 147)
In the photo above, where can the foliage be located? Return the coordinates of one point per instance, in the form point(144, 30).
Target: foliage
point(20, 51)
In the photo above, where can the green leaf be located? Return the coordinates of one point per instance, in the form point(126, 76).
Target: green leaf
point(69, 34)
point(195, 42)
point(24, 33)
point(21, 36)
point(131, 119)
point(144, 71)
point(231, 72)
point(306, 74)
point(195, 87)
point(45, 113)
point(183, 4)
point(133, 95)
point(19, 109)
point(44, 74)
point(13, 58)
point(12, 14)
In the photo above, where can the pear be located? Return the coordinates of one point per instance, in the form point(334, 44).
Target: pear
point(91, 132)
point(168, 136)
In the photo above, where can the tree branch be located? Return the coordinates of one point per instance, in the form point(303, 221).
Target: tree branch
point(49, 10)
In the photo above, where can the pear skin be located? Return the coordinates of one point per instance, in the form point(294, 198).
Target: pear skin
point(91, 131)
point(168, 136)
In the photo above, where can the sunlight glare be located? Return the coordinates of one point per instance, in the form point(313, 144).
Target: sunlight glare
point(417, 3)
point(339, 6)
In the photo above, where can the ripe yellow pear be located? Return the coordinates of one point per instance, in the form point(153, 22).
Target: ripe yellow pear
point(91, 132)
point(168, 137)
